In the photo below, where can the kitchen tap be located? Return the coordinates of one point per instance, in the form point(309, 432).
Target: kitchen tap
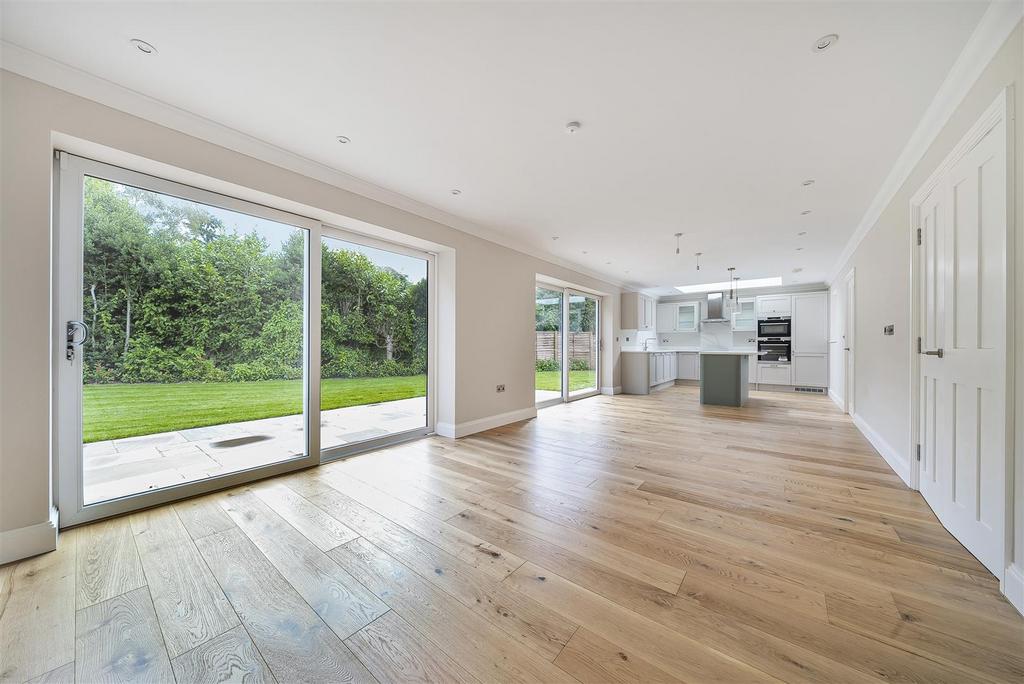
point(647, 341)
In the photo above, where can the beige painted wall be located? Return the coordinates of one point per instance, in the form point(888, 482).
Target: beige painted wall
point(882, 262)
point(493, 309)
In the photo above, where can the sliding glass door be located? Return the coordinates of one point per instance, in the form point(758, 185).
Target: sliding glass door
point(548, 306)
point(374, 343)
point(568, 344)
point(203, 341)
point(583, 344)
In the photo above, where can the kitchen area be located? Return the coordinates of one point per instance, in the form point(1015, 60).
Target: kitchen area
point(726, 343)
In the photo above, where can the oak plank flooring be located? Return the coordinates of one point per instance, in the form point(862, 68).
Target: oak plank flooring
point(119, 640)
point(290, 636)
point(37, 623)
point(189, 603)
point(230, 657)
point(342, 603)
point(108, 563)
point(395, 652)
point(616, 539)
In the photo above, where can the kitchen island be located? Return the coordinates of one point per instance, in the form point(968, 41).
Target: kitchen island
point(724, 377)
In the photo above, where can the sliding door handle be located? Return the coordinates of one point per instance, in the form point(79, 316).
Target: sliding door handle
point(934, 352)
point(71, 335)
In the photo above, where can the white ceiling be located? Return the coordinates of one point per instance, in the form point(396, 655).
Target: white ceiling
point(699, 118)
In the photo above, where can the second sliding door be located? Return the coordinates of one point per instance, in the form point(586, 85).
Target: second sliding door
point(374, 343)
point(568, 344)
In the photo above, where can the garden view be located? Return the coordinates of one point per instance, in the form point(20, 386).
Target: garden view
point(197, 317)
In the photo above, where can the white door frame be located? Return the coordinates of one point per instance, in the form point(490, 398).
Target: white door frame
point(1000, 110)
point(850, 342)
point(67, 305)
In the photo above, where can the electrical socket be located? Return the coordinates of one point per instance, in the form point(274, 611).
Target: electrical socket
point(500, 388)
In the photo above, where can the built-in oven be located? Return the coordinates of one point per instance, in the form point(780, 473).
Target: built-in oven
point(774, 349)
point(774, 327)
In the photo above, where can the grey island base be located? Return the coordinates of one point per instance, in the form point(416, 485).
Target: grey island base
point(724, 379)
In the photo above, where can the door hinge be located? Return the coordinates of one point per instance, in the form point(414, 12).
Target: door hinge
point(918, 452)
point(918, 236)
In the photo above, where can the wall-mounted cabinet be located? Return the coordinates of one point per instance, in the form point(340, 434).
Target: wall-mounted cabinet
point(678, 317)
point(637, 311)
point(744, 316)
point(774, 305)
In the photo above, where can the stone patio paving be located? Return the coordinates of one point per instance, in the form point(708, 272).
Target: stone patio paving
point(122, 467)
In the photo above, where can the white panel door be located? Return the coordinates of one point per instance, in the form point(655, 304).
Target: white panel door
point(962, 289)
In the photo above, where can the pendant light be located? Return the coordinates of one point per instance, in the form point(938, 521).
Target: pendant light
point(698, 259)
point(678, 235)
point(732, 283)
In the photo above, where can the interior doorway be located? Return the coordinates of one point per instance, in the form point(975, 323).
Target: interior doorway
point(962, 312)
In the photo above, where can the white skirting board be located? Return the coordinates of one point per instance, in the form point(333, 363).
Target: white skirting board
point(481, 424)
point(29, 541)
point(899, 465)
point(835, 399)
point(1012, 587)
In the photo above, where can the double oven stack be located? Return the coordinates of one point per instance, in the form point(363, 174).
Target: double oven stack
point(773, 339)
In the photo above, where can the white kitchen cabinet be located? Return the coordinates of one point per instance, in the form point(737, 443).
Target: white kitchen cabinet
point(662, 367)
point(744, 317)
point(666, 317)
point(774, 305)
point(810, 323)
point(637, 311)
point(774, 374)
point(688, 366)
point(678, 317)
point(810, 370)
point(687, 316)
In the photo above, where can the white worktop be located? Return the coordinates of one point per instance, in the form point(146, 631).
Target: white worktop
point(692, 350)
point(731, 352)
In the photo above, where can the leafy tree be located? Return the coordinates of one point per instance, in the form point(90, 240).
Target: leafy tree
point(173, 295)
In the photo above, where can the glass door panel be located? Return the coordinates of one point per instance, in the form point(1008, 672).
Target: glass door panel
point(549, 344)
point(582, 349)
point(193, 367)
point(373, 343)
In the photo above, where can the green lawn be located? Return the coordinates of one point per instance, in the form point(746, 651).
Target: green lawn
point(116, 411)
point(551, 380)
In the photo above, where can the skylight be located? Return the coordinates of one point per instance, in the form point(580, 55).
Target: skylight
point(740, 285)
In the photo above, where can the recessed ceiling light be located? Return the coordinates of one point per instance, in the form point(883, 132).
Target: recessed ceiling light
point(797, 270)
point(142, 46)
point(802, 232)
point(799, 249)
point(343, 139)
point(572, 127)
point(825, 42)
point(554, 237)
point(584, 251)
point(809, 181)
point(607, 263)
point(805, 212)
point(456, 191)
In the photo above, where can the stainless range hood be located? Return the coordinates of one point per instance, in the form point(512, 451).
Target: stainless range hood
point(716, 308)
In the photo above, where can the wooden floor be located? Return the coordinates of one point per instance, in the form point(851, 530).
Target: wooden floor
point(612, 539)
